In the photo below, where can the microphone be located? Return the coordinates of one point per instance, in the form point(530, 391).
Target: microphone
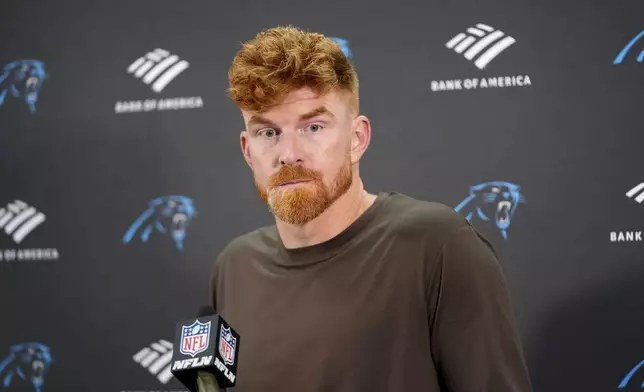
point(205, 352)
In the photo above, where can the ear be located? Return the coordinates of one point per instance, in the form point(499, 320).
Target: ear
point(360, 137)
point(243, 140)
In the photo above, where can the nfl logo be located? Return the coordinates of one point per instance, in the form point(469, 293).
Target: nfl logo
point(227, 344)
point(195, 338)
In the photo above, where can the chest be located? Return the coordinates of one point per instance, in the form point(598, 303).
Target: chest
point(341, 312)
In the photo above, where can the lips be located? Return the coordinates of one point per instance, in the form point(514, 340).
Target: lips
point(293, 182)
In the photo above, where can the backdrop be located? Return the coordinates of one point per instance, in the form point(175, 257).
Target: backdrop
point(121, 176)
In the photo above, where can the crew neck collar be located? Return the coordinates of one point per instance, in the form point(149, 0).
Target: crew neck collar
point(319, 252)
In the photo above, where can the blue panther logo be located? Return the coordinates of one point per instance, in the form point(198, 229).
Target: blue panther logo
point(624, 383)
point(497, 199)
point(628, 47)
point(23, 79)
point(168, 215)
point(27, 363)
point(344, 46)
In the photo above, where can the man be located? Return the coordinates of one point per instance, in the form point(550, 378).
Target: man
point(349, 291)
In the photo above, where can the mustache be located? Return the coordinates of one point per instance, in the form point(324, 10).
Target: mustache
point(293, 173)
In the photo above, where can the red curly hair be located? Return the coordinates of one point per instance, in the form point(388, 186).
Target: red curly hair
point(283, 59)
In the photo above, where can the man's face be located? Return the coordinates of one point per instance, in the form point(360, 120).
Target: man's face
point(300, 152)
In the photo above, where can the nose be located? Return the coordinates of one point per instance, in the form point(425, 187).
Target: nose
point(290, 150)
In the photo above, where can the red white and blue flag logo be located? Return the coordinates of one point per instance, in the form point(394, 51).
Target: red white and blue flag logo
point(227, 345)
point(195, 338)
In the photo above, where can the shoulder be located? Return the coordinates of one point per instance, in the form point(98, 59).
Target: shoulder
point(251, 243)
point(242, 248)
point(408, 215)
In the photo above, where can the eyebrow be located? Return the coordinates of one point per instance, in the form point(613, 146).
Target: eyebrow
point(257, 119)
point(316, 112)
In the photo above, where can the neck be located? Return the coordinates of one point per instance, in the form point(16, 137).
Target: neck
point(335, 219)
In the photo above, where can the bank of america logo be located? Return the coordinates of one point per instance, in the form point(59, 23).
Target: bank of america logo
point(18, 219)
point(483, 41)
point(156, 359)
point(627, 49)
point(158, 68)
point(637, 193)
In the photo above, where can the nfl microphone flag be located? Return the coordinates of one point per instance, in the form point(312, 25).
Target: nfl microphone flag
point(206, 343)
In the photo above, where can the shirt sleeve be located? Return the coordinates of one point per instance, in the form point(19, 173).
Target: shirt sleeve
point(475, 344)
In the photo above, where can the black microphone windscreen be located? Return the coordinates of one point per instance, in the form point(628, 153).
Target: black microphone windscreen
point(205, 311)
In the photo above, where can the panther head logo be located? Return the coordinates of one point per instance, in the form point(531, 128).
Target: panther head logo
point(344, 46)
point(496, 200)
point(627, 378)
point(27, 363)
point(168, 215)
point(23, 79)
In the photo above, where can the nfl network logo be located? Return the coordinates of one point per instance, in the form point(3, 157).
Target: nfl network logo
point(481, 44)
point(195, 338)
point(157, 69)
point(227, 345)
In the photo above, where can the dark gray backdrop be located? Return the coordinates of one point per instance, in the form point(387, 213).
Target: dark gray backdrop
point(571, 140)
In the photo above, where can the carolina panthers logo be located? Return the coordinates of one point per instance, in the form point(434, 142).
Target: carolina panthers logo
point(624, 383)
point(344, 45)
point(27, 363)
point(23, 79)
point(496, 200)
point(168, 215)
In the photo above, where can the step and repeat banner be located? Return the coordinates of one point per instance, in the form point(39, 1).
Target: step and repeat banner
point(121, 175)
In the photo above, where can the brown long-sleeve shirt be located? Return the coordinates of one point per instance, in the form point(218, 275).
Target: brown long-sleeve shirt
point(408, 298)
